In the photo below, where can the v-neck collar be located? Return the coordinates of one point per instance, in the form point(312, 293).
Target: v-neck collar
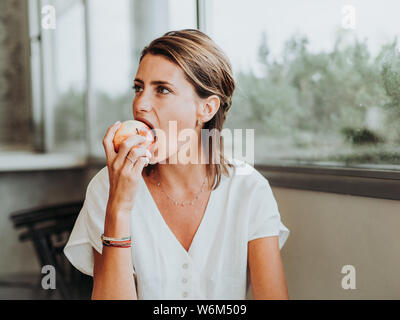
point(198, 234)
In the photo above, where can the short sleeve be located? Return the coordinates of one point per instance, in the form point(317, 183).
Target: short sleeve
point(264, 217)
point(89, 225)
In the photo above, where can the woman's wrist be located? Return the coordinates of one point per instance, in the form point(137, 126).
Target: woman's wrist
point(117, 223)
point(117, 209)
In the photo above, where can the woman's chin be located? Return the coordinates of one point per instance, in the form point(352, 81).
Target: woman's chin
point(153, 161)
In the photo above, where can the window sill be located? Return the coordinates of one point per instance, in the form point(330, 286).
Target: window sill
point(379, 181)
point(27, 161)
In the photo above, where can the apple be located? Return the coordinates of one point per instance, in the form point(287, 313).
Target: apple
point(132, 127)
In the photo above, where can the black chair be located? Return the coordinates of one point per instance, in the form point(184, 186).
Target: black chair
point(49, 228)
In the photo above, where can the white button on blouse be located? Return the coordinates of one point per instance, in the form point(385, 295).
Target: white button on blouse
point(241, 209)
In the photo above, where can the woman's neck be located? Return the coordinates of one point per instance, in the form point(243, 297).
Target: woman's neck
point(182, 179)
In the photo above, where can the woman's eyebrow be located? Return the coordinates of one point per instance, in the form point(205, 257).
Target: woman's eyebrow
point(155, 82)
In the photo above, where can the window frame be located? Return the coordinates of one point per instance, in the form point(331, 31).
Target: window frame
point(372, 183)
point(36, 72)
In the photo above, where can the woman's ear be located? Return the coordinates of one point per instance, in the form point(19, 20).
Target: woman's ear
point(209, 108)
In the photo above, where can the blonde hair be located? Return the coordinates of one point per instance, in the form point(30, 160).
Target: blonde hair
point(208, 69)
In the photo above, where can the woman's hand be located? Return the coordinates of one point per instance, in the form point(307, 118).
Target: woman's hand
point(124, 175)
point(112, 271)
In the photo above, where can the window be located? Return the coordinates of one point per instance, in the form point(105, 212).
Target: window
point(318, 81)
point(117, 34)
point(82, 71)
point(66, 114)
point(58, 77)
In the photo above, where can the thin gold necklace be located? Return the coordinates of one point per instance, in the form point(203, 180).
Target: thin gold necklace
point(182, 203)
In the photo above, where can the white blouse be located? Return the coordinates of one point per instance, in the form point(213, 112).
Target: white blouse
point(241, 209)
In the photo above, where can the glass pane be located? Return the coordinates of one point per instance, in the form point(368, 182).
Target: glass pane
point(15, 116)
point(318, 81)
point(118, 33)
point(69, 77)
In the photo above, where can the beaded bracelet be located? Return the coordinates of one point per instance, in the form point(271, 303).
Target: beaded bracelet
point(116, 239)
point(124, 242)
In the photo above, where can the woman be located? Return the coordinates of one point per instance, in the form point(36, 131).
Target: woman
point(198, 231)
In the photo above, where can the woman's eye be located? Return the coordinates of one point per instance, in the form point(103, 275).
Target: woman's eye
point(160, 89)
point(136, 88)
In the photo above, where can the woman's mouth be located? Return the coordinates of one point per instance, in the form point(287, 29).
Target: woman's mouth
point(150, 126)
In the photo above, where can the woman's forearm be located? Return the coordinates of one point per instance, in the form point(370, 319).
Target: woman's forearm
point(113, 270)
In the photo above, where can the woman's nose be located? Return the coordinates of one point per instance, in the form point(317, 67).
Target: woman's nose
point(142, 105)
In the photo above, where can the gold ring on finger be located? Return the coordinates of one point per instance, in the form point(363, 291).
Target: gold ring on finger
point(133, 162)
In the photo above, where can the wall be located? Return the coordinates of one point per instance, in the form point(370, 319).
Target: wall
point(329, 231)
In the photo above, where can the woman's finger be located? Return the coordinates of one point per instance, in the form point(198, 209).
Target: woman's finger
point(108, 142)
point(133, 156)
point(125, 147)
point(139, 165)
point(135, 153)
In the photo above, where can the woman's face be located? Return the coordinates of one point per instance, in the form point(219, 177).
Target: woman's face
point(162, 94)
